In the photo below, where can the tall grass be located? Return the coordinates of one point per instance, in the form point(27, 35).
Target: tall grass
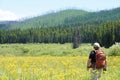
point(52, 49)
point(43, 49)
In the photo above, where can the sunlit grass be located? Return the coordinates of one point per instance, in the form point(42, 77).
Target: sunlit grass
point(51, 62)
point(44, 49)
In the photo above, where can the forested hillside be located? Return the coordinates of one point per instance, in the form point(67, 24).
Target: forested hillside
point(61, 27)
point(6, 25)
point(50, 20)
point(70, 18)
point(107, 34)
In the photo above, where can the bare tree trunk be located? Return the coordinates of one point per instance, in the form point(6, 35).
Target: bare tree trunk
point(76, 39)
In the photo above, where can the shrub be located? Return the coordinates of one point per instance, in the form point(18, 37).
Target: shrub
point(115, 50)
point(25, 50)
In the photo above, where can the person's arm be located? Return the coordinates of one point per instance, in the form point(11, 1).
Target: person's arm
point(88, 64)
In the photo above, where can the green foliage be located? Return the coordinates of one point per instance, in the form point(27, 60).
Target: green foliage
point(25, 50)
point(45, 50)
point(70, 17)
point(59, 27)
point(5, 25)
point(115, 50)
point(49, 20)
point(106, 34)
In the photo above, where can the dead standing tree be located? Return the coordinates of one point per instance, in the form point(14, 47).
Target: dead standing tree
point(76, 39)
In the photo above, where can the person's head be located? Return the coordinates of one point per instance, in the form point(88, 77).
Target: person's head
point(96, 46)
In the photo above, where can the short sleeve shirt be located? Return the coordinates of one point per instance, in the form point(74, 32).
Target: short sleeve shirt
point(92, 56)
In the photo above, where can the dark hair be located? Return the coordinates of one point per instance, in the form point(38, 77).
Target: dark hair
point(96, 48)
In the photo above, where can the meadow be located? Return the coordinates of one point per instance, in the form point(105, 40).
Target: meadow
point(53, 68)
point(51, 62)
point(45, 49)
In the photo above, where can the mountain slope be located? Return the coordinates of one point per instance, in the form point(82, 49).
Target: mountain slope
point(6, 25)
point(69, 17)
point(50, 20)
point(95, 17)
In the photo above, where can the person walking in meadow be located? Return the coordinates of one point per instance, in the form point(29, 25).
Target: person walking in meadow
point(96, 62)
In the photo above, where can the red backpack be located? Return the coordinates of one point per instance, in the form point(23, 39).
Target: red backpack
point(100, 59)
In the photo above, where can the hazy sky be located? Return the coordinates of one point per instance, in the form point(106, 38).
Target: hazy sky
point(15, 9)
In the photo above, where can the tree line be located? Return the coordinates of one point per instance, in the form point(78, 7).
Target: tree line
point(106, 34)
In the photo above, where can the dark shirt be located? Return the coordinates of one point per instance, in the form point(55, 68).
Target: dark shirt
point(92, 56)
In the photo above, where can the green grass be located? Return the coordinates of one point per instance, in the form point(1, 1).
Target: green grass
point(45, 49)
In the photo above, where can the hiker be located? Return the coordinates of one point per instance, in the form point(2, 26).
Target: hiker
point(96, 62)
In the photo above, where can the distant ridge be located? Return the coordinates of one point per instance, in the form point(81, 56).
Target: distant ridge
point(69, 17)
